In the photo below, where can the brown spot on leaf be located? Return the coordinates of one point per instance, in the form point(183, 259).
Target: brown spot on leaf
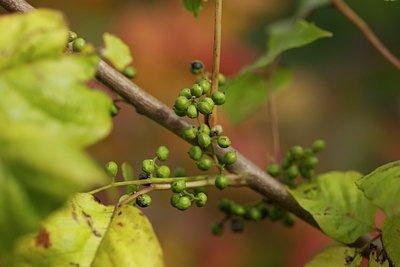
point(43, 238)
point(119, 213)
point(120, 224)
point(351, 215)
point(75, 216)
point(141, 214)
point(74, 264)
point(86, 215)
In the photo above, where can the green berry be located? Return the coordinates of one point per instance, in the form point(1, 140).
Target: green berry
point(114, 110)
point(216, 130)
point(254, 214)
point(230, 157)
point(72, 36)
point(289, 180)
point(183, 203)
point(200, 189)
point(288, 220)
point(204, 108)
point(307, 152)
point(186, 93)
point(111, 169)
point(196, 67)
point(221, 182)
point(205, 85)
point(296, 152)
point(180, 113)
point(148, 166)
point(237, 225)
point(318, 146)
point(162, 153)
point(204, 140)
point(264, 211)
point(309, 162)
point(221, 79)
point(204, 129)
point(224, 142)
point(238, 210)
point(130, 72)
point(191, 112)
point(306, 173)
point(78, 44)
point(143, 200)
point(274, 170)
point(286, 163)
point(174, 199)
point(209, 101)
point(178, 186)
point(224, 205)
point(201, 199)
point(217, 228)
point(196, 90)
point(218, 97)
point(179, 172)
point(188, 134)
point(181, 103)
point(163, 171)
point(195, 153)
point(292, 171)
point(204, 164)
point(276, 213)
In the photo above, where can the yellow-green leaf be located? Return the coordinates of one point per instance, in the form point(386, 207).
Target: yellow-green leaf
point(116, 51)
point(391, 238)
point(336, 257)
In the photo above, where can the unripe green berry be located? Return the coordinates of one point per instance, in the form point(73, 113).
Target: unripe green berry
point(204, 108)
point(225, 205)
point(237, 225)
point(130, 72)
point(289, 180)
point(274, 170)
point(292, 171)
point(180, 113)
point(72, 36)
point(230, 157)
point(183, 203)
point(205, 85)
point(221, 79)
point(181, 103)
point(286, 163)
point(306, 173)
point(114, 110)
point(163, 171)
point(216, 130)
point(276, 213)
point(204, 164)
point(221, 182)
point(201, 199)
point(174, 199)
point(288, 220)
point(254, 214)
point(179, 172)
point(196, 67)
point(191, 112)
point(296, 152)
point(204, 140)
point(162, 153)
point(78, 44)
point(188, 134)
point(186, 93)
point(238, 210)
point(204, 129)
point(217, 228)
point(178, 186)
point(195, 153)
point(318, 146)
point(309, 162)
point(264, 211)
point(209, 101)
point(111, 169)
point(148, 166)
point(196, 90)
point(143, 200)
point(218, 97)
point(224, 142)
point(200, 189)
point(307, 152)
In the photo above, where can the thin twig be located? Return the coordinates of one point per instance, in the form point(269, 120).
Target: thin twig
point(365, 29)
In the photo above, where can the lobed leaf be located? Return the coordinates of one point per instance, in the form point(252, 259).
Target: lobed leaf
point(339, 208)
point(336, 256)
point(116, 51)
point(382, 187)
point(391, 238)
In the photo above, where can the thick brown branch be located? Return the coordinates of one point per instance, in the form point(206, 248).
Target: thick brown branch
point(365, 29)
point(149, 106)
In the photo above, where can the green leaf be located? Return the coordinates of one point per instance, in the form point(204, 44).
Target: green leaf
point(193, 6)
point(127, 171)
point(283, 37)
point(85, 233)
point(382, 187)
point(306, 7)
point(249, 92)
point(391, 238)
point(116, 51)
point(336, 256)
point(337, 205)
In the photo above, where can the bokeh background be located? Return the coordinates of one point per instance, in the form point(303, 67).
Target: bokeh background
point(341, 90)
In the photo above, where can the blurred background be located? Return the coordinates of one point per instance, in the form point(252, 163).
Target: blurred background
point(341, 90)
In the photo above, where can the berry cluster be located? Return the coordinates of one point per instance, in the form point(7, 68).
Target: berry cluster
point(255, 212)
point(298, 161)
point(182, 199)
